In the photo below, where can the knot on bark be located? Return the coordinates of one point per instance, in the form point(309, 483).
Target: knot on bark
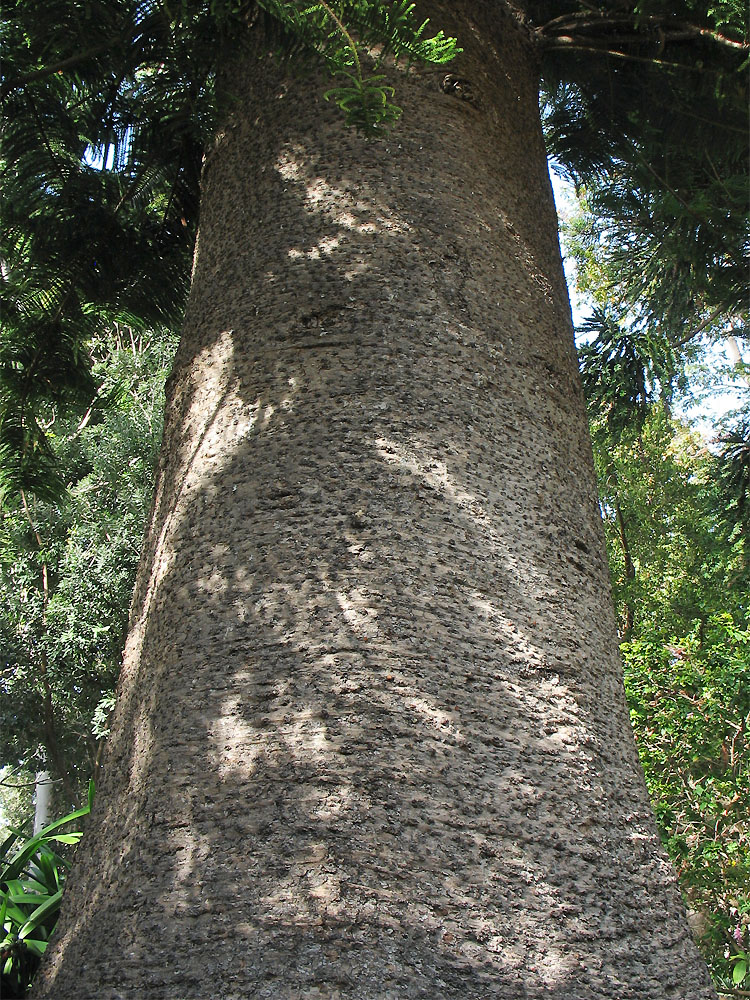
point(457, 86)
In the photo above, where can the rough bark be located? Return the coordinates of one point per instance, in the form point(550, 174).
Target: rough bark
point(371, 739)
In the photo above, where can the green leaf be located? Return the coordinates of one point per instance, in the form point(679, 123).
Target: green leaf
point(40, 914)
point(48, 870)
point(8, 843)
point(67, 838)
point(739, 972)
point(35, 845)
point(14, 914)
point(83, 811)
point(33, 898)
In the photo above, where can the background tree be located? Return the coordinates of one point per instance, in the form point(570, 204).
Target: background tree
point(680, 587)
point(671, 499)
point(734, 477)
point(67, 569)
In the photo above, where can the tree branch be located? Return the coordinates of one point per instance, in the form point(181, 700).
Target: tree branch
point(673, 30)
point(39, 74)
point(29, 784)
point(700, 328)
point(573, 44)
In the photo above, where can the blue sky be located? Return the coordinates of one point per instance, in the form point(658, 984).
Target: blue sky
point(714, 405)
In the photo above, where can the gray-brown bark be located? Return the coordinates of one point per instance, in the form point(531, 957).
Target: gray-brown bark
point(371, 740)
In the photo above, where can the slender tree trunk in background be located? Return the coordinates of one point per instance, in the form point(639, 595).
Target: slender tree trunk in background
point(629, 616)
point(733, 350)
point(53, 751)
point(371, 739)
point(42, 800)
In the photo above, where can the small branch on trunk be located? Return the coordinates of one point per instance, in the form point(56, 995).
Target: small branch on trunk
point(28, 784)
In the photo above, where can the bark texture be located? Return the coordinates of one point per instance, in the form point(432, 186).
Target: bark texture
point(371, 740)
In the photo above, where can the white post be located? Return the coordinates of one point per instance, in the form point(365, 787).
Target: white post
point(43, 799)
point(733, 350)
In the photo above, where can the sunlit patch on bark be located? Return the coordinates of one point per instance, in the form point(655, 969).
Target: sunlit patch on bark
point(322, 249)
point(344, 204)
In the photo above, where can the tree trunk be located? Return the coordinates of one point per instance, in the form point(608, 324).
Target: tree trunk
point(371, 739)
point(42, 800)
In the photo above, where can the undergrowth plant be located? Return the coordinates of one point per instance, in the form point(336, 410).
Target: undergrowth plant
point(32, 875)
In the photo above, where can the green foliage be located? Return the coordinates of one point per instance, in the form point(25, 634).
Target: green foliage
point(96, 216)
point(343, 34)
point(365, 101)
point(638, 260)
point(672, 557)
point(645, 107)
point(733, 473)
point(67, 569)
point(32, 876)
point(690, 706)
point(623, 369)
point(680, 582)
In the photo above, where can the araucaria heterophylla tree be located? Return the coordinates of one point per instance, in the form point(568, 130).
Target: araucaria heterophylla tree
point(371, 738)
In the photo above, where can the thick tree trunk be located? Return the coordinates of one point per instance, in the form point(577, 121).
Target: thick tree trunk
point(371, 739)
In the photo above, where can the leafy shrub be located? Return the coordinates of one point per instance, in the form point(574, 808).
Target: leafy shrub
point(67, 572)
point(32, 876)
point(690, 707)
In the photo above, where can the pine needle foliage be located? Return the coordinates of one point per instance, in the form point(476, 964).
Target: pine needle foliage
point(733, 474)
point(339, 32)
point(645, 107)
point(625, 369)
